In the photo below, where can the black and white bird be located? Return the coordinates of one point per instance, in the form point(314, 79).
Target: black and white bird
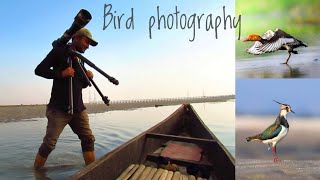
point(272, 41)
point(275, 132)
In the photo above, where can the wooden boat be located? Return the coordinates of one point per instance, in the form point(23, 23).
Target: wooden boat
point(184, 126)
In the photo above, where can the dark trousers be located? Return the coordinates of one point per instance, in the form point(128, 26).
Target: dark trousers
point(57, 120)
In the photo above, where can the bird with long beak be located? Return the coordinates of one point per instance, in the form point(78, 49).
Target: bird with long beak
point(272, 41)
point(276, 132)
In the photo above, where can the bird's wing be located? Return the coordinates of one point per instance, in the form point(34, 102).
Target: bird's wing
point(280, 33)
point(271, 132)
point(274, 45)
point(254, 49)
point(274, 40)
point(268, 35)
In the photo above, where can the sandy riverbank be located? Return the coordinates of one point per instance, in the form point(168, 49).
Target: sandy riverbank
point(255, 169)
point(21, 112)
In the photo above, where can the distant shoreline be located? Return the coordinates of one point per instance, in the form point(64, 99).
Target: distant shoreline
point(12, 113)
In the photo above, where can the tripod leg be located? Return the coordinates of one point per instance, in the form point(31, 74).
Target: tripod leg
point(83, 70)
point(70, 108)
point(104, 98)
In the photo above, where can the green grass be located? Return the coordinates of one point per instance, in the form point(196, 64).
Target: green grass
point(298, 18)
point(293, 7)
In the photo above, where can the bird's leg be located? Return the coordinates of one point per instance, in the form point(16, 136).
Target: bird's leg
point(274, 154)
point(287, 58)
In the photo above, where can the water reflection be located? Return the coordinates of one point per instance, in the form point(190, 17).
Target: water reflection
point(293, 72)
point(286, 71)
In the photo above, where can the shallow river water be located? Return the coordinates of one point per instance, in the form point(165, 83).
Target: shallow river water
point(19, 141)
point(306, 64)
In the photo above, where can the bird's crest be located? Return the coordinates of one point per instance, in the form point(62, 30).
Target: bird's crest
point(285, 107)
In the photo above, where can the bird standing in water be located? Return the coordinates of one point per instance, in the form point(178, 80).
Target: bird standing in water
point(276, 132)
point(272, 41)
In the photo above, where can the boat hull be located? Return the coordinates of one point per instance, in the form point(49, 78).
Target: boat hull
point(136, 150)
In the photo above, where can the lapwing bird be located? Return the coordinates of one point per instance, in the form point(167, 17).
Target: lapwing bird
point(272, 41)
point(276, 132)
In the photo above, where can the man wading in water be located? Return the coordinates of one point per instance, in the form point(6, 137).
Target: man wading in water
point(55, 67)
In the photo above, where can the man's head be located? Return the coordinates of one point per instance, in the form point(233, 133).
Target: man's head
point(82, 39)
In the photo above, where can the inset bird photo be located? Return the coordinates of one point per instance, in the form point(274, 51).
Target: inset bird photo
point(277, 127)
point(279, 39)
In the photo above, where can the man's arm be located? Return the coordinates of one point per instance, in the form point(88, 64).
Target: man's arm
point(44, 69)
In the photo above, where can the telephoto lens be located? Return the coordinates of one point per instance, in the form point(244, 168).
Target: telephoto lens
point(81, 20)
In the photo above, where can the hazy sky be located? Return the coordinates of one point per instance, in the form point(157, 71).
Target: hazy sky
point(168, 65)
point(255, 96)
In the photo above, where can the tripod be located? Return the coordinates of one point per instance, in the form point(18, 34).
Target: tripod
point(81, 19)
point(89, 81)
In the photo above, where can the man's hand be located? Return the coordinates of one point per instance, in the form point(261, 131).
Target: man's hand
point(89, 74)
point(68, 72)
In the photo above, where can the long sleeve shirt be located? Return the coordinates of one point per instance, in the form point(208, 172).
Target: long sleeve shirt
point(51, 68)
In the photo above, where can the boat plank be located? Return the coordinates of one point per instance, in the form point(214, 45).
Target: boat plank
point(151, 174)
point(169, 175)
point(125, 172)
point(176, 175)
point(145, 173)
point(157, 175)
point(131, 172)
point(164, 175)
point(138, 172)
point(181, 138)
